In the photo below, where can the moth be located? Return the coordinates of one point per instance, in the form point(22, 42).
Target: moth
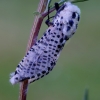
point(43, 56)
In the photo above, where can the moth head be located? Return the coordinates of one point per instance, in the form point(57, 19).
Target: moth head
point(71, 7)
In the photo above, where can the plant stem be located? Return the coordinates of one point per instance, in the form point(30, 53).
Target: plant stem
point(33, 37)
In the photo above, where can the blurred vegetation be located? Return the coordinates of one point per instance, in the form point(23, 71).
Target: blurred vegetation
point(78, 66)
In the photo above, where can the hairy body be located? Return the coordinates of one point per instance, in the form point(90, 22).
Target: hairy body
point(42, 57)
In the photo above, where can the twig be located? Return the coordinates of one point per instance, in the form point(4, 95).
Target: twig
point(33, 37)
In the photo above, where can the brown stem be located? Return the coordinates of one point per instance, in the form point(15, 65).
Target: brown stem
point(33, 37)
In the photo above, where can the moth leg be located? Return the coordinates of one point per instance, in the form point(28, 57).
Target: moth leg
point(57, 6)
point(48, 23)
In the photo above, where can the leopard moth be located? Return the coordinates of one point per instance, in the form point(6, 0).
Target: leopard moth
point(43, 56)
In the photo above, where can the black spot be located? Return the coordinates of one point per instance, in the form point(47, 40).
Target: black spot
point(38, 64)
point(60, 24)
point(78, 18)
point(34, 64)
point(39, 61)
point(71, 23)
point(41, 37)
point(43, 66)
point(15, 72)
point(44, 62)
point(45, 34)
point(49, 55)
point(59, 29)
point(32, 68)
point(30, 64)
point(76, 26)
point(35, 44)
point(42, 76)
point(57, 24)
point(57, 51)
point(52, 52)
point(50, 48)
point(44, 56)
point(16, 78)
point(37, 69)
point(32, 81)
point(33, 76)
point(38, 74)
point(18, 66)
point(51, 69)
point(73, 15)
point(52, 40)
point(45, 51)
point(73, 33)
point(54, 33)
point(47, 73)
point(38, 40)
point(56, 41)
point(51, 63)
point(27, 71)
point(54, 46)
point(53, 25)
point(48, 59)
point(49, 30)
point(68, 28)
point(37, 78)
point(44, 59)
point(27, 53)
point(48, 68)
point(66, 38)
point(43, 72)
point(45, 43)
point(53, 36)
point(53, 49)
point(59, 46)
point(32, 73)
point(55, 55)
point(62, 34)
point(61, 40)
point(61, 17)
point(63, 45)
point(50, 44)
point(58, 36)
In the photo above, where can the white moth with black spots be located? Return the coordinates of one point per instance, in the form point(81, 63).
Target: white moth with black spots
point(42, 56)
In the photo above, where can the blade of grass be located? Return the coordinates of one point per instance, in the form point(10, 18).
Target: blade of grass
point(86, 94)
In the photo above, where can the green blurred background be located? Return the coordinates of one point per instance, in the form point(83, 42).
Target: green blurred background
point(78, 67)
